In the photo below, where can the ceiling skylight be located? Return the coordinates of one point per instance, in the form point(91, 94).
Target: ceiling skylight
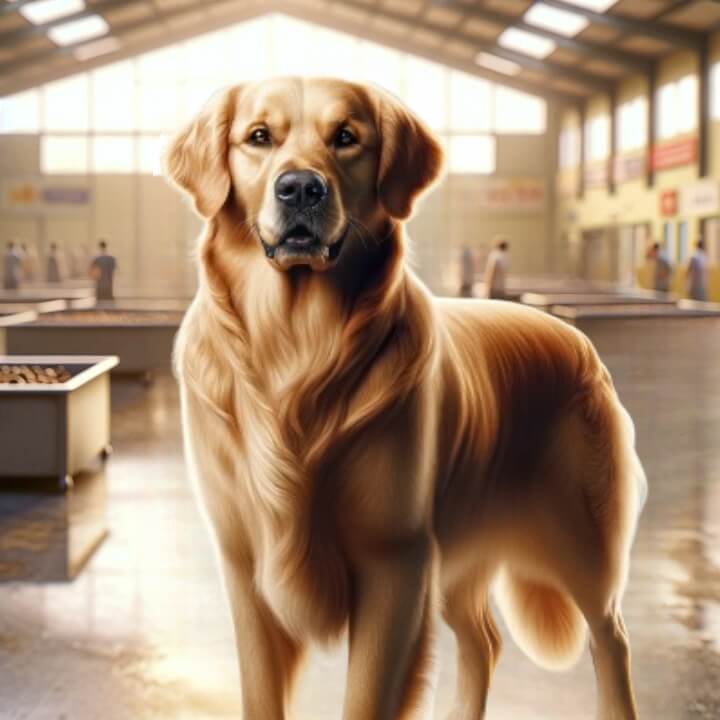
point(526, 42)
point(78, 30)
point(97, 47)
point(595, 5)
point(552, 18)
point(48, 10)
point(497, 64)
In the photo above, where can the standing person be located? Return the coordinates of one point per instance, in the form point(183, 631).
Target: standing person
point(102, 271)
point(12, 267)
point(697, 273)
point(662, 268)
point(496, 270)
point(53, 265)
point(30, 263)
point(467, 272)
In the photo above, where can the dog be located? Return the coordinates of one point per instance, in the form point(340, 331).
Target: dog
point(371, 458)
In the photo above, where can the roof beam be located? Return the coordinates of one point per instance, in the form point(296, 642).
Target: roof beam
point(630, 61)
point(674, 36)
point(552, 69)
point(547, 67)
point(11, 82)
point(13, 37)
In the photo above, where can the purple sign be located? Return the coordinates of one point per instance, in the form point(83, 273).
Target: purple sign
point(66, 196)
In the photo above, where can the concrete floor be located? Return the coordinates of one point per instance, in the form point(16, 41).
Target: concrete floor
point(144, 632)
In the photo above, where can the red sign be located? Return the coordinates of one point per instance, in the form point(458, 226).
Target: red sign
point(673, 154)
point(668, 203)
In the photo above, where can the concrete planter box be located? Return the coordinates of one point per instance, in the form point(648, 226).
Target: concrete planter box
point(52, 432)
point(142, 340)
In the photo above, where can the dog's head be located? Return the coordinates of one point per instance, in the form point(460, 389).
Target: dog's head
point(312, 165)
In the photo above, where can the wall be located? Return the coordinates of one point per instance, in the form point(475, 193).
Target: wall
point(152, 231)
point(634, 202)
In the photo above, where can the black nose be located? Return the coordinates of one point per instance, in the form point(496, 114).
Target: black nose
point(300, 189)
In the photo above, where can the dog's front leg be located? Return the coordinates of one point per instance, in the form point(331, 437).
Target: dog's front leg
point(390, 630)
point(267, 655)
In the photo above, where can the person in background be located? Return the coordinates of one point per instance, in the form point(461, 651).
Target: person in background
point(697, 273)
point(53, 265)
point(662, 268)
point(496, 269)
point(30, 263)
point(102, 270)
point(12, 267)
point(467, 272)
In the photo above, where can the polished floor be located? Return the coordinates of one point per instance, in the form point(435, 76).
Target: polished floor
point(144, 633)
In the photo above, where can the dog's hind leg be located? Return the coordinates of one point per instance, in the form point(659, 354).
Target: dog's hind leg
point(468, 613)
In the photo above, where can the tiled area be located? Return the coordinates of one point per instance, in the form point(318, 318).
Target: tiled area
point(144, 634)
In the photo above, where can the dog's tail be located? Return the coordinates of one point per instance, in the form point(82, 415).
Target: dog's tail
point(544, 622)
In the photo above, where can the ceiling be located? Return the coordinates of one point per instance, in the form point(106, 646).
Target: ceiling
point(626, 39)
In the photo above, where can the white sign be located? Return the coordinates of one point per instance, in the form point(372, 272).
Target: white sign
point(700, 198)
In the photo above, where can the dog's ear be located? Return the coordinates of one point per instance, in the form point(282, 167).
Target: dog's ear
point(197, 157)
point(410, 157)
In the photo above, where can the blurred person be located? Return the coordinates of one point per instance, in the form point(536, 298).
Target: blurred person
point(53, 265)
point(467, 272)
point(697, 273)
point(12, 267)
point(102, 270)
point(662, 268)
point(30, 262)
point(496, 269)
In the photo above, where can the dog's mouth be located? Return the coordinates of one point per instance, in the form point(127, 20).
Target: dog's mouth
point(301, 246)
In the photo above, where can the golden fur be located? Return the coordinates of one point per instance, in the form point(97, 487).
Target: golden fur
point(370, 456)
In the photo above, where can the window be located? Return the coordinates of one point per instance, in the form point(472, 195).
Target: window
point(63, 155)
point(425, 91)
point(471, 154)
point(112, 154)
point(597, 138)
point(632, 124)
point(113, 116)
point(677, 107)
point(569, 148)
point(471, 102)
point(66, 104)
point(113, 97)
point(150, 149)
point(517, 112)
point(20, 113)
point(715, 91)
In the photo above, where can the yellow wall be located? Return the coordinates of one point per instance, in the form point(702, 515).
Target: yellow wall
point(633, 202)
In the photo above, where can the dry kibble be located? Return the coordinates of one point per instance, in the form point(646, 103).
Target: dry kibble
point(23, 375)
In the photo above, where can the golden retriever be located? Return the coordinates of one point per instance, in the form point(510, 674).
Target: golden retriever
point(371, 457)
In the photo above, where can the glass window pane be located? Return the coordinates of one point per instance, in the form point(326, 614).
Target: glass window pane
point(20, 113)
point(63, 155)
point(250, 49)
point(471, 154)
point(113, 97)
point(686, 108)
point(66, 104)
point(715, 91)
point(518, 112)
point(158, 106)
point(426, 91)
point(160, 66)
point(296, 50)
point(344, 51)
point(382, 66)
point(666, 111)
point(206, 56)
point(632, 124)
point(113, 154)
point(150, 149)
point(471, 101)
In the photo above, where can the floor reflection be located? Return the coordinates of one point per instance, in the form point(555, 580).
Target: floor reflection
point(144, 632)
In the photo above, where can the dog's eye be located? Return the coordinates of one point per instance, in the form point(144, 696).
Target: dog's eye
point(260, 136)
point(345, 138)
